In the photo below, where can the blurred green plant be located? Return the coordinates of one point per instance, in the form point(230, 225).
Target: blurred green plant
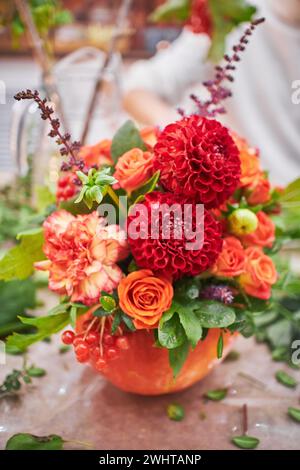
point(46, 14)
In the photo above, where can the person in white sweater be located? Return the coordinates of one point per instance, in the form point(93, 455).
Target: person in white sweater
point(265, 107)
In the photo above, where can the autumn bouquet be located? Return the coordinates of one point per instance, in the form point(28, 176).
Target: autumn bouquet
point(163, 245)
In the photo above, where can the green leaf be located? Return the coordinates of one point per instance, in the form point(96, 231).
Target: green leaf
point(190, 323)
point(175, 412)
point(226, 16)
point(45, 198)
point(172, 10)
point(213, 314)
point(108, 302)
point(220, 346)
point(116, 322)
point(16, 297)
point(294, 413)
point(290, 199)
point(286, 379)
point(35, 371)
point(46, 326)
point(148, 187)
point(216, 395)
point(100, 312)
point(18, 262)
point(24, 441)
point(245, 442)
point(171, 333)
point(125, 139)
point(177, 357)
point(128, 322)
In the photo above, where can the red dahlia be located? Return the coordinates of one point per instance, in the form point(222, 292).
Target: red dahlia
point(198, 159)
point(170, 254)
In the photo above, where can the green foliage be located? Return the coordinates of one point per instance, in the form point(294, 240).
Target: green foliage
point(125, 139)
point(212, 314)
point(286, 379)
point(177, 357)
point(15, 298)
point(94, 185)
point(25, 441)
point(175, 412)
point(14, 380)
point(58, 318)
point(172, 10)
point(245, 442)
point(216, 395)
point(184, 324)
point(279, 327)
point(226, 16)
point(45, 198)
point(148, 187)
point(13, 219)
point(294, 413)
point(46, 14)
point(18, 262)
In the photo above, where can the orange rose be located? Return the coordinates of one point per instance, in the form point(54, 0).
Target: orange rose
point(133, 169)
point(231, 261)
point(260, 274)
point(98, 154)
point(145, 297)
point(260, 192)
point(264, 235)
point(250, 165)
point(149, 135)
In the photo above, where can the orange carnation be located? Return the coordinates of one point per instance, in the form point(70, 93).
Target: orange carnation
point(250, 164)
point(82, 255)
point(145, 297)
point(264, 235)
point(260, 274)
point(260, 192)
point(133, 169)
point(231, 261)
point(98, 154)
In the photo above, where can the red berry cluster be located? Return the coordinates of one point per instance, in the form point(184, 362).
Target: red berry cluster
point(66, 187)
point(96, 343)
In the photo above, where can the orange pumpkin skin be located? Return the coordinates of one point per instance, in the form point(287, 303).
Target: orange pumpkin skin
point(144, 368)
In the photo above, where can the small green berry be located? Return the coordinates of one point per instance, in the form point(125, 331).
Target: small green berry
point(242, 222)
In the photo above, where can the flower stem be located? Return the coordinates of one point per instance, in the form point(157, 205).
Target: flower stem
point(113, 195)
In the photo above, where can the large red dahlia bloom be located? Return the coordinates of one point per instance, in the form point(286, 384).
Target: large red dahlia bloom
point(198, 159)
point(171, 253)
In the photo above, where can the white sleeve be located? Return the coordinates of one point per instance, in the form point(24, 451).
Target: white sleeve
point(171, 70)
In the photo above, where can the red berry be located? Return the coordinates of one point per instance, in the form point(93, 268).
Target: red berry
point(82, 349)
point(100, 364)
point(83, 358)
point(92, 338)
point(112, 353)
point(95, 353)
point(68, 337)
point(122, 343)
point(108, 339)
point(78, 340)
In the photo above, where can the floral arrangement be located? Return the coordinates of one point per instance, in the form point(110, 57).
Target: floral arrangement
point(173, 232)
